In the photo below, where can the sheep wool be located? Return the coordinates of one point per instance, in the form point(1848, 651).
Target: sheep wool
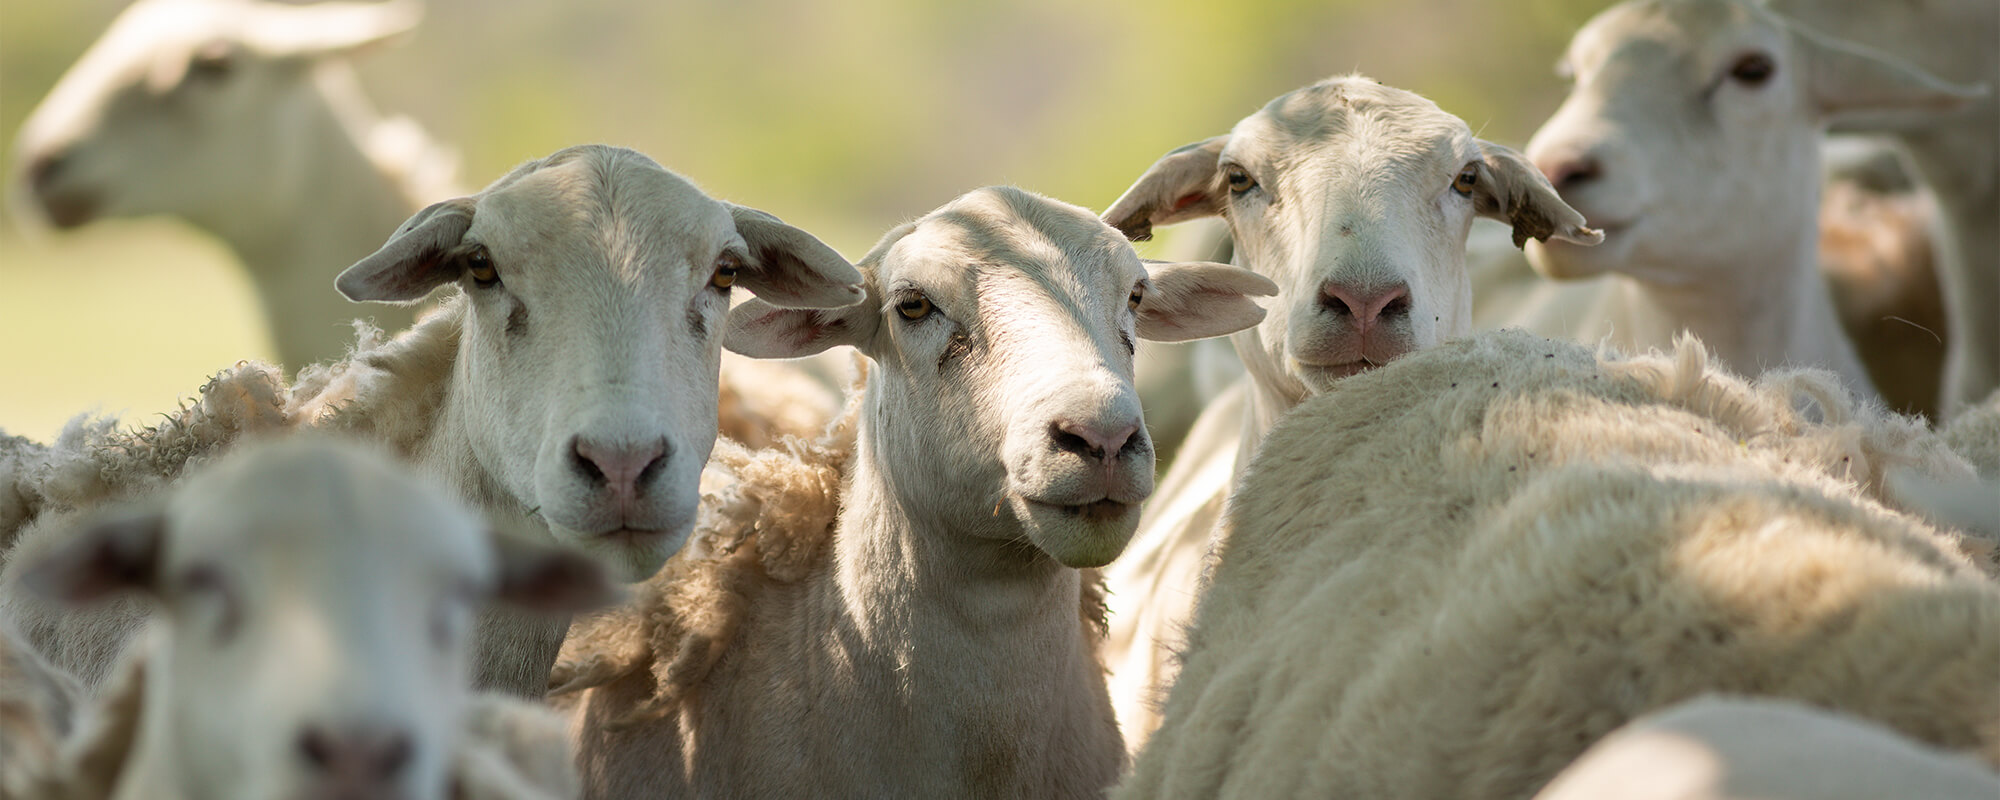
point(1449, 576)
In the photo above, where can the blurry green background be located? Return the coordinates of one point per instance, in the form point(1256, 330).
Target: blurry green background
point(844, 118)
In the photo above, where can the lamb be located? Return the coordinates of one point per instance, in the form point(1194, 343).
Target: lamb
point(920, 635)
point(1736, 749)
point(244, 118)
point(1725, 248)
point(1446, 578)
point(566, 384)
point(266, 674)
point(1356, 198)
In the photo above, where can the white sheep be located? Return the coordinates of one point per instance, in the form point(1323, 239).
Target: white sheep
point(244, 118)
point(315, 608)
point(1447, 577)
point(1692, 136)
point(899, 615)
point(1356, 198)
point(1958, 156)
point(568, 383)
point(1715, 748)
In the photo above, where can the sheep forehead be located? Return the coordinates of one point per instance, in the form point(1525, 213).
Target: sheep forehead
point(1002, 236)
point(323, 509)
point(612, 202)
point(1652, 36)
point(1356, 128)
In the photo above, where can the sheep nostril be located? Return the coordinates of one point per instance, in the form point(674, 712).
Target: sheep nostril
point(1397, 306)
point(43, 171)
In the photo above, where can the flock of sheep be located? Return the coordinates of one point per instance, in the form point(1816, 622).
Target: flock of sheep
point(1668, 542)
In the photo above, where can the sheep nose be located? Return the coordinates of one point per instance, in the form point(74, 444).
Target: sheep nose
point(1570, 173)
point(359, 756)
point(1366, 305)
point(43, 170)
point(1094, 441)
point(623, 468)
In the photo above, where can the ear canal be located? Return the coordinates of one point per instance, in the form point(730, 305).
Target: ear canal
point(110, 555)
point(412, 262)
point(1518, 194)
point(1847, 80)
point(1179, 187)
point(1198, 300)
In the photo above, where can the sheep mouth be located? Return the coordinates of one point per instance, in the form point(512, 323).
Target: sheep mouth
point(632, 536)
point(69, 209)
point(1104, 510)
point(1337, 371)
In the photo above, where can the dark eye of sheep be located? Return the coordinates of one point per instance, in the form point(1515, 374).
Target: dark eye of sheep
point(1467, 178)
point(479, 264)
point(1239, 179)
point(915, 307)
point(1753, 69)
point(1138, 296)
point(726, 267)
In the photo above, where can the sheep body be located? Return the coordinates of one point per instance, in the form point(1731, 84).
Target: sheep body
point(1448, 577)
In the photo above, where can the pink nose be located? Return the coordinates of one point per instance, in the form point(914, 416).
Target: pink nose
point(1366, 305)
point(623, 468)
point(1092, 441)
point(361, 758)
point(1568, 173)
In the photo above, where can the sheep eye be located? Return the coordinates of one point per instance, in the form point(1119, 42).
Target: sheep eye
point(1138, 296)
point(479, 264)
point(1753, 69)
point(915, 307)
point(211, 62)
point(1467, 178)
point(1239, 179)
point(725, 271)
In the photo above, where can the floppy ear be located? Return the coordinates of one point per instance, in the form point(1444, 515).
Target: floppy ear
point(1512, 190)
point(760, 330)
point(548, 579)
point(1851, 83)
point(109, 556)
point(1179, 187)
point(414, 261)
point(1197, 300)
point(791, 269)
point(327, 29)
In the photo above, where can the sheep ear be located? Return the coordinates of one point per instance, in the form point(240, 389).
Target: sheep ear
point(1197, 300)
point(1179, 187)
point(414, 261)
point(1511, 190)
point(760, 330)
point(326, 29)
point(109, 556)
point(789, 268)
point(550, 580)
point(1870, 89)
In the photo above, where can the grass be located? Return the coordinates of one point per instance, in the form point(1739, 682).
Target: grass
point(123, 318)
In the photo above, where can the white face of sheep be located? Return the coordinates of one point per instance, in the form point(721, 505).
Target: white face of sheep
point(1356, 198)
point(1692, 135)
point(596, 284)
point(188, 107)
point(315, 607)
point(1002, 329)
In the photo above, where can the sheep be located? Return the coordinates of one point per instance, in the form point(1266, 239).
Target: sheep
point(265, 672)
point(566, 383)
point(1959, 158)
point(900, 613)
point(244, 118)
point(38, 712)
point(1356, 198)
point(1736, 749)
point(1447, 577)
point(1692, 135)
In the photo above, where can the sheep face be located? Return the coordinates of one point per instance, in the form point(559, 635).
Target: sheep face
point(1692, 136)
point(1003, 327)
point(315, 609)
point(1356, 199)
point(168, 112)
point(595, 287)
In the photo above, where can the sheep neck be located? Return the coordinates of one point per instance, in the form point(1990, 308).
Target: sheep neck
point(327, 205)
point(1775, 311)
